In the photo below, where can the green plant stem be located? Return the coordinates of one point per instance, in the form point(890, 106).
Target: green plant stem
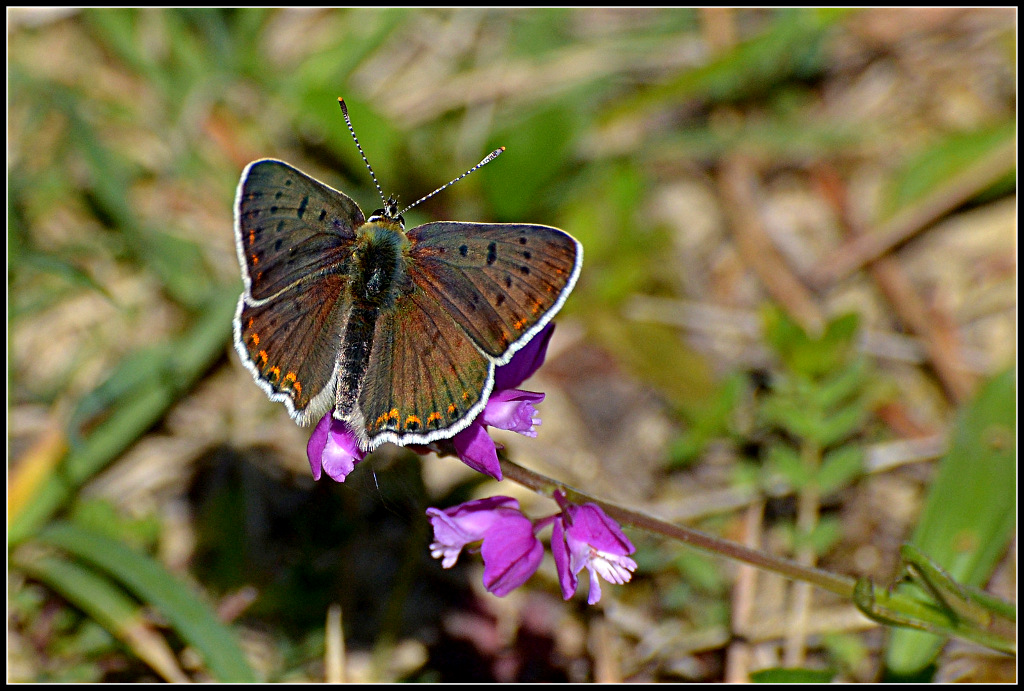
point(807, 521)
point(840, 585)
point(885, 607)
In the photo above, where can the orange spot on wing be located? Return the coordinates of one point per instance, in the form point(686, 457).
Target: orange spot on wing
point(263, 356)
point(435, 416)
point(385, 418)
point(413, 418)
point(255, 339)
point(451, 408)
point(255, 259)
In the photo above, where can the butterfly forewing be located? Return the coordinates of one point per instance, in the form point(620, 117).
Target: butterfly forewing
point(289, 226)
point(500, 282)
point(425, 380)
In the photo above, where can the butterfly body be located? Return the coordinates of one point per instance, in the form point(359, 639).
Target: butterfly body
point(397, 332)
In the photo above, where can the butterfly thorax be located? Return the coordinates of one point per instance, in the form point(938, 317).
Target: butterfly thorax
point(379, 275)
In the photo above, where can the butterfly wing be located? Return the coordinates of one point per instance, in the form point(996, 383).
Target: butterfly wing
point(424, 381)
point(290, 344)
point(289, 227)
point(501, 282)
point(294, 237)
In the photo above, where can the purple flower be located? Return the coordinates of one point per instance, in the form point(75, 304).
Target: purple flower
point(333, 448)
point(510, 550)
point(507, 408)
point(585, 537)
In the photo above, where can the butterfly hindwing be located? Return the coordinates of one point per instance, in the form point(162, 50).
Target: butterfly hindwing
point(289, 226)
point(501, 282)
point(424, 381)
point(290, 344)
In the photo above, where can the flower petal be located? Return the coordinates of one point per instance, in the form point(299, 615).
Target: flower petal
point(525, 362)
point(511, 554)
point(592, 540)
point(333, 449)
point(560, 551)
point(591, 525)
point(476, 449)
point(512, 409)
point(315, 445)
point(457, 526)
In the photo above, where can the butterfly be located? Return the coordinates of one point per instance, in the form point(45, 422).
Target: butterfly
point(397, 332)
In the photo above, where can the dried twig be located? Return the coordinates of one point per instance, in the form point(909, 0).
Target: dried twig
point(738, 185)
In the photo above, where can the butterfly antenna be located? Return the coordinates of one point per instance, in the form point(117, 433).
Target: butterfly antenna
point(487, 159)
point(348, 121)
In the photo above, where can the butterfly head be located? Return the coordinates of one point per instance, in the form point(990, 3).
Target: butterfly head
point(389, 214)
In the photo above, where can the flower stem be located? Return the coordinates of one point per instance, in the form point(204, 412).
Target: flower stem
point(841, 585)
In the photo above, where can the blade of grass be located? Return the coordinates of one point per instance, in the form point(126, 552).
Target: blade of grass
point(191, 618)
point(970, 513)
point(129, 417)
point(108, 605)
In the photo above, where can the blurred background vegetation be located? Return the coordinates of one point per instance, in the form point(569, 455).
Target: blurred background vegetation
point(795, 327)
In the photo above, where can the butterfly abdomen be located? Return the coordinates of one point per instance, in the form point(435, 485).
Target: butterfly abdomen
point(379, 278)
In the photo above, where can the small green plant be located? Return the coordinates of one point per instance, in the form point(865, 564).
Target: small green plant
point(814, 413)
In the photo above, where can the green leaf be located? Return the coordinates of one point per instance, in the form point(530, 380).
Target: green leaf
point(537, 149)
point(190, 617)
point(848, 649)
point(177, 262)
point(839, 467)
point(790, 49)
point(108, 605)
point(792, 675)
point(971, 509)
point(102, 516)
point(805, 354)
point(938, 165)
point(686, 448)
point(710, 421)
point(840, 425)
point(788, 412)
point(842, 384)
point(655, 353)
point(825, 535)
point(785, 461)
